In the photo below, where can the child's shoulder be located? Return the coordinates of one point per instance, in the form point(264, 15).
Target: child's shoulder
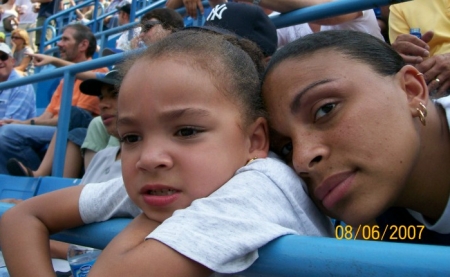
point(270, 166)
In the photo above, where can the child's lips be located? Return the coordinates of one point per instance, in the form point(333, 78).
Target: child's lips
point(159, 195)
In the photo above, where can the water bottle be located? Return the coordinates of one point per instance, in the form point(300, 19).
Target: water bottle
point(415, 32)
point(81, 259)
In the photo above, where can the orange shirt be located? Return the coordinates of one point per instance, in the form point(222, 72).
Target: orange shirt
point(79, 99)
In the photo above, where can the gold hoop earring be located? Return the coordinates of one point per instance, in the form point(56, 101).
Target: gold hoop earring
point(422, 114)
point(251, 160)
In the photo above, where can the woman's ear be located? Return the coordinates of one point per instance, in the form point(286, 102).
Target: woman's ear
point(259, 139)
point(415, 87)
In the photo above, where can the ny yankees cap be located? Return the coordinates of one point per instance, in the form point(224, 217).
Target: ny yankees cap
point(247, 21)
point(93, 86)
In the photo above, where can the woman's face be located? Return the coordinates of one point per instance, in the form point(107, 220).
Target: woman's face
point(17, 39)
point(349, 132)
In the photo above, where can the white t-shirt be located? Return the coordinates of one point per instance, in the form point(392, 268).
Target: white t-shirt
point(103, 166)
point(123, 42)
point(27, 16)
point(366, 23)
point(263, 201)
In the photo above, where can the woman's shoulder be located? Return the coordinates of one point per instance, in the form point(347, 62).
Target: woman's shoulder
point(28, 50)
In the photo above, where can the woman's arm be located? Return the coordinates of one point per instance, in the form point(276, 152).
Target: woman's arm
point(25, 230)
point(128, 254)
point(24, 63)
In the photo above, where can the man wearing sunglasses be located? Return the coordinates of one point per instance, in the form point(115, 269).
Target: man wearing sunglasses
point(17, 103)
point(27, 140)
point(156, 25)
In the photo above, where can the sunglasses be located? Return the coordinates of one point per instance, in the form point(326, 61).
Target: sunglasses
point(16, 38)
point(148, 25)
point(4, 56)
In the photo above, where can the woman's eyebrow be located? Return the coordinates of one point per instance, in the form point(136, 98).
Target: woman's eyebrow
point(296, 102)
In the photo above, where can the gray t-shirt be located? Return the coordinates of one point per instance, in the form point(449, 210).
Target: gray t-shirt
point(263, 201)
point(103, 166)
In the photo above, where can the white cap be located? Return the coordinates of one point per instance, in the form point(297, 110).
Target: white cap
point(5, 48)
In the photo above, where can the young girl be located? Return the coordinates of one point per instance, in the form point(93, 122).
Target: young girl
point(191, 119)
point(358, 125)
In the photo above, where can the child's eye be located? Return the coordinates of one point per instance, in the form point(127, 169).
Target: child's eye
point(187, 132)
point(324, 110)
point(130, 139)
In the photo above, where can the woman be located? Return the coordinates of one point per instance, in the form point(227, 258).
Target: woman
point(21, 49)
point(358, 125)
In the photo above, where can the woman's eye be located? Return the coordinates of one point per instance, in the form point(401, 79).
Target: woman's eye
point(286, 152)
point(324, 110)
point(130, 139)
point(187, 132)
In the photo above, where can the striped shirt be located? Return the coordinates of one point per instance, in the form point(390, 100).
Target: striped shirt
point(19, 102)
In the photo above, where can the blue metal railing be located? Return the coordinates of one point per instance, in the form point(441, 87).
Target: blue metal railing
point(306, 256)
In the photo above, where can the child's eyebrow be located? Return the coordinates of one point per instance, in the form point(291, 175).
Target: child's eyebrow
point(167, 115)
point(184, 112)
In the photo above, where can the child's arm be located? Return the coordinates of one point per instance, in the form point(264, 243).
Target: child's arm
point(25, 230)
point(129, 254)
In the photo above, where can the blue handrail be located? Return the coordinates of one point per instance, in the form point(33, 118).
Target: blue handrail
point(305, 256)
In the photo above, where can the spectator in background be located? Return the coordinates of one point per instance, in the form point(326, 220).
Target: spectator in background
point(21, 50)
point(123, 42)
point(7, 9)
point(18, 103)
point(112, 21)
point(26, 140)
point(100, 134)
point(431, 53)
point(363, 21)
point(46, 9)
point(27, 19)
point(247, 21)
point(157, 24)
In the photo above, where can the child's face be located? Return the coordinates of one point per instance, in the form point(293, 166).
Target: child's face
point(108, 108)
point(182, 138)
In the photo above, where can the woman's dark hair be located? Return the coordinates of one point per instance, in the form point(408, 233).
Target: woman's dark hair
point(354, 45)
point(84, 33)
point(227, 59)
point(170, 19)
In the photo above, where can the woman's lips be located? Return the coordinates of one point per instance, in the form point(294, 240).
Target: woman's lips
point(334, 188)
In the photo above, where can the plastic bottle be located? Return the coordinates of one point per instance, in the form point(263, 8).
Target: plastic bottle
point(415, 32)
point(81, 259)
